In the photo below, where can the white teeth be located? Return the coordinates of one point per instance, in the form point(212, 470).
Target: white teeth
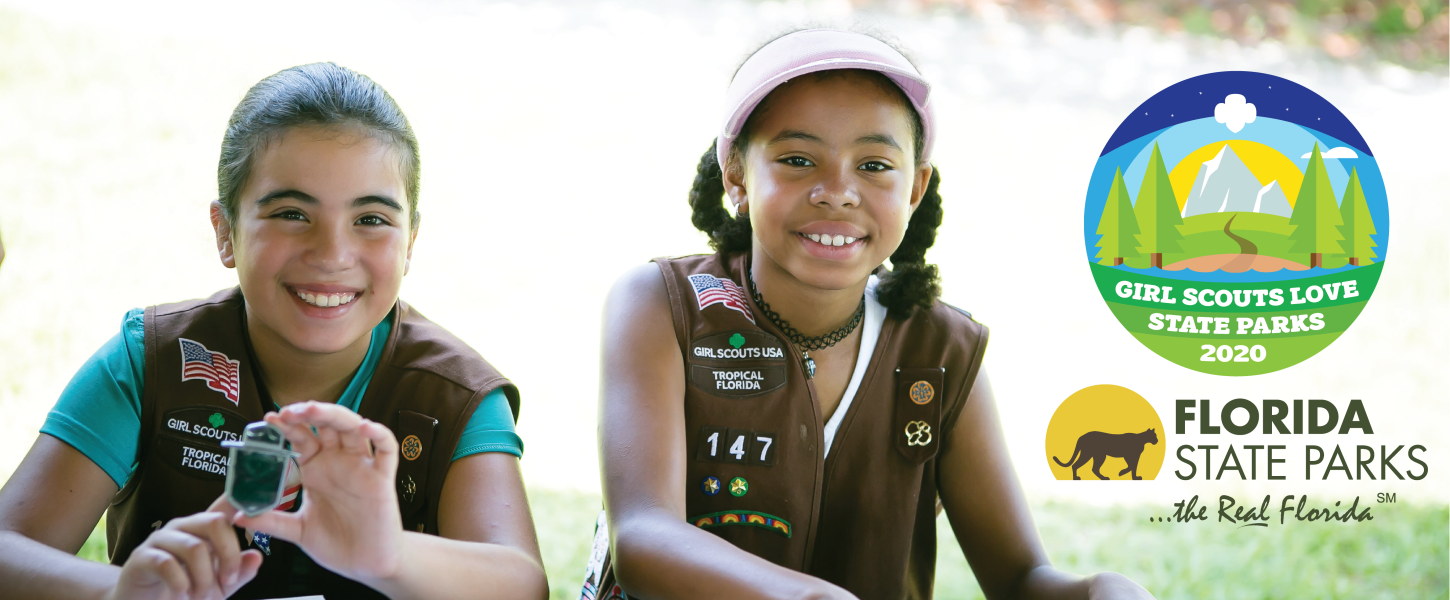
point(831, 240)
point(327, 300)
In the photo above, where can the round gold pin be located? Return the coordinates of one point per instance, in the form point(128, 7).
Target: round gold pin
point(412, 447)
point(921, 392)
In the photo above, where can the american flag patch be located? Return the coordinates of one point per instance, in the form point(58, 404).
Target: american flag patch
point(218, 371)
point(710, 290)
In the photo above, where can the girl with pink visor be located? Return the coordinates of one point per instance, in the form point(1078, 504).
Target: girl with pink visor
point(786, 417)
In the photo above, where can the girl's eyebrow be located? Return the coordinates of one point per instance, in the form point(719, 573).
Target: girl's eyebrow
point(879, 138)
point(280, 194)
point(796, 134)
point(383, 200)
point(306, 198)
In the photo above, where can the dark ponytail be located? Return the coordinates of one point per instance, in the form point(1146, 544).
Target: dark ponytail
point(728, 232)
point(912, 282)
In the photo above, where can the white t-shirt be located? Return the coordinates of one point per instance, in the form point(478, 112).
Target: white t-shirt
point(870, 332)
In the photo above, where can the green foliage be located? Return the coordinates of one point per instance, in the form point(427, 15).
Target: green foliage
point(1119, 226)
point(95, 547)
point(1243, 221)
point(1358, 224)
point(1316, 218)
point(1203, 236)
point(1402, 553)
point(1157, 209)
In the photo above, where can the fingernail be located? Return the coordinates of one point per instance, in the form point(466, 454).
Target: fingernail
point(232, 578)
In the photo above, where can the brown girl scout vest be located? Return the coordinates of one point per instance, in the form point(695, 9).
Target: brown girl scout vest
point(201, 388)
point(864, 517)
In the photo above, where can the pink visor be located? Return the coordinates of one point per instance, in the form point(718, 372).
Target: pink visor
point(815, 50)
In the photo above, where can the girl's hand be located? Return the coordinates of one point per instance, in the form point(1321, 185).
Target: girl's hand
point(192, 558)
point(349, 521)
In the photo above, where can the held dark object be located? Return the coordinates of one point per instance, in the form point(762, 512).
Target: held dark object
point(257, 469)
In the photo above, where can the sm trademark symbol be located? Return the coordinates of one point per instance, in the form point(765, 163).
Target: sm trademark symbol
point(1385, 498)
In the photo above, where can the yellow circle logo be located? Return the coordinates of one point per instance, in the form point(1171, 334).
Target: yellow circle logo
point(921, 392)
point(1105, 432)
point(412, 447)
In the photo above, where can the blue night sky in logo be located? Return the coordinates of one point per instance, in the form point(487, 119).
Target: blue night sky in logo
point(1273, 97)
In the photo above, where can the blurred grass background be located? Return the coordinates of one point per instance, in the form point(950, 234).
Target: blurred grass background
point(1401, 554)
point(560, 131)
point(1412, 33)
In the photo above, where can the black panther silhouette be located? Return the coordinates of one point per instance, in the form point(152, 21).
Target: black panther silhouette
point(1098, 446)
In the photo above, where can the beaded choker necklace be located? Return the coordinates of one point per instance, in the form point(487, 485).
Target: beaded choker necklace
point(807, 343)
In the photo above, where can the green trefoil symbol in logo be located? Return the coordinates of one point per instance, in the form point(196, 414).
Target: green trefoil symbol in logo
point(216, 420)
point(737, 341)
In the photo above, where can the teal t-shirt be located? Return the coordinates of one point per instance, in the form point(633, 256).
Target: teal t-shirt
point(99, 413)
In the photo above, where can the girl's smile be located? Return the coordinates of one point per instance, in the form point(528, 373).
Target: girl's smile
point(832, 240)
point(330, 301)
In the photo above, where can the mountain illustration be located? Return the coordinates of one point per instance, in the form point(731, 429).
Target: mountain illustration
point(1225, 184)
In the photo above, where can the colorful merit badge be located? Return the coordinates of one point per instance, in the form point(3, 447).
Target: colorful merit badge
point(742, 517)
point(738, 487)
point(412, 447)
point(710, 290)
point(710, 485)
point(921, 392)
point(257, 469)
point(1236, 223)
point(216, 369)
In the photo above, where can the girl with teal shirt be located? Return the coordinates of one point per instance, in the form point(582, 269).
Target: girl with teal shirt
point(409, 464)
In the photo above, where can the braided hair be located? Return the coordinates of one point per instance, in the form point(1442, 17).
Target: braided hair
point(910, 284)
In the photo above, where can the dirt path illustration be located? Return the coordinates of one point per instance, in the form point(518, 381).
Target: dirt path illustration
point(1248, 251)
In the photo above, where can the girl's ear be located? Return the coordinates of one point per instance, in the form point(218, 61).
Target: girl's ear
point(223, 235)
point(412, 237)
point(733, 176)
point(919, 184)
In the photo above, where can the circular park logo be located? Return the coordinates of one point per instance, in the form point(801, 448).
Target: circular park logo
point(1105, 432)
point(1236, 223)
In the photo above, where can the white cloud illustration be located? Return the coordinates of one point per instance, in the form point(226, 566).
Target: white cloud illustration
point(1234, 112)
point(1340, 152)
